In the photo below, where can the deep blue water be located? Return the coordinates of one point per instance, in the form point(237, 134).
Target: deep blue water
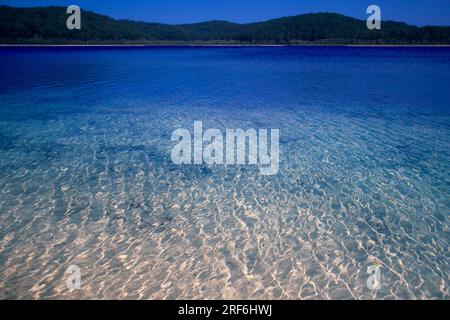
point(86, 176)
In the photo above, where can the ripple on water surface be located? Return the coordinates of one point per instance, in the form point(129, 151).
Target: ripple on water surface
point(89, 181)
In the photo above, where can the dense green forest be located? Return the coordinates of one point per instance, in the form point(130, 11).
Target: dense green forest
point(47, 25)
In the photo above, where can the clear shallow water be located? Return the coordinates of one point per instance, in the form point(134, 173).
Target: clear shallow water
point(86, 176)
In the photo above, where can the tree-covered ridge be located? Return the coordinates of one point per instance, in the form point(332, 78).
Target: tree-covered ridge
point(47, 25)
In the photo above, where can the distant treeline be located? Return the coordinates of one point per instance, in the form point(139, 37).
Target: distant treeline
point(47, 25)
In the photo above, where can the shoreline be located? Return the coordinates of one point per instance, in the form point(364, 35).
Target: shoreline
point(233, 45)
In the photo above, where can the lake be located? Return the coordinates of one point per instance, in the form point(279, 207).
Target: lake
point(87, 179)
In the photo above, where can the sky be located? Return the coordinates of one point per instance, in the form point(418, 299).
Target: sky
point(418, 12)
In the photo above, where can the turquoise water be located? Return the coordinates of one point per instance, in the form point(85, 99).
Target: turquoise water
point(86, 176)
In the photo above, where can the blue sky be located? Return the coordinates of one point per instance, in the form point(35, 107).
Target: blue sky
point(420, 12)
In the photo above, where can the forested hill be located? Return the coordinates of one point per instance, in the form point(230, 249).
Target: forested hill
point(47, 25)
